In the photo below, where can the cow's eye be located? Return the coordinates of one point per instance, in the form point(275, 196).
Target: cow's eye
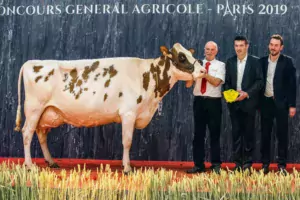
point(181, 58)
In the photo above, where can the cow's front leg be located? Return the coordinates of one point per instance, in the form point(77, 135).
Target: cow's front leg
point(128, 121)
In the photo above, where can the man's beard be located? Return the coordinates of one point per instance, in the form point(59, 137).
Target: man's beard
point(274, 53)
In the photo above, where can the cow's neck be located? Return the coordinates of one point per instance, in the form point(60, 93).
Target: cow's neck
point(161, 75)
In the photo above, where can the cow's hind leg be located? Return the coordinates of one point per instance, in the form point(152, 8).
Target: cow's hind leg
point(128, 121)
point(28, 131)
point(42, 135)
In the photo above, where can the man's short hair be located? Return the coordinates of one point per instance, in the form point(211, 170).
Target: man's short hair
point(277, 37)
point(241, 38)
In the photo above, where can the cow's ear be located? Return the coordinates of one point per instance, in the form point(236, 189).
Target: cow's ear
point(192, 50)
point(164, 49)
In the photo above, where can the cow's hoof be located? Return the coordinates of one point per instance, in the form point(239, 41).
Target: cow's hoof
point(127, 173)
point(127, 170)
point(53, 165)
point(28, 167)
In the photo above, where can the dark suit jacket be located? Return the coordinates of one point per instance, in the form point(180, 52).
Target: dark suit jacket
point(284, 82)
point(252, 83)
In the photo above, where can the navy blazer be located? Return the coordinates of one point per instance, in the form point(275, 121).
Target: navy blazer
point(252, 82)
point(284, 82)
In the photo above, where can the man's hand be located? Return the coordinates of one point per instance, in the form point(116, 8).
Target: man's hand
point(292, 111)
point(188, 84)
point(242, 95)
point(202, 73)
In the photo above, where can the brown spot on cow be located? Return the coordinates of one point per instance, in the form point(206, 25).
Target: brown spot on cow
point(146, 80)
point(65, 77)
point(95, 65)
point(73, 74)
point(38, 78)
point(37, 69)
point(161, 62)
point(78, 94)
point(51, 73)
point(162, 85)
point(79, 83)
point(120, 94)
point(76, 85)
point(96, 77)
point(112, 71)
point(88, 70)
point(74, 82)
point(105, 71)
point(139, 100)
point(105, 96)
point(107, 83)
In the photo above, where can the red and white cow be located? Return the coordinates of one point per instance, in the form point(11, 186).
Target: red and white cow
point(98, 91)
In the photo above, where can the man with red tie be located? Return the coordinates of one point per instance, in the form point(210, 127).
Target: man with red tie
point(208, 110)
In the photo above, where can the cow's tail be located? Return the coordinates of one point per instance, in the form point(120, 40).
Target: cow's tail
point(19, 116)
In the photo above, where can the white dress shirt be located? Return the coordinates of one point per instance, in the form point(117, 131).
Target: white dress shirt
point(240, 71)
point(217, 70)
point(269, 92)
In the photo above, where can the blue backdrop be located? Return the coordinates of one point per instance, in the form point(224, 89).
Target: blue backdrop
point(49, 29)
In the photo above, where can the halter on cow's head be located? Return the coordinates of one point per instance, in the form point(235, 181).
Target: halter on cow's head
point(184, 65)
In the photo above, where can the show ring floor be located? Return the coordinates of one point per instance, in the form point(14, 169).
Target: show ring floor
point(179, 167)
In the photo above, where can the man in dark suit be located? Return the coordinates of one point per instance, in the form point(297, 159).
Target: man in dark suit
point(243, 74)
point(278, 100)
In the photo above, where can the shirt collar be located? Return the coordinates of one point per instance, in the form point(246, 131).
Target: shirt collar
point(269, 60)
point(205, 61)
point(244, 59)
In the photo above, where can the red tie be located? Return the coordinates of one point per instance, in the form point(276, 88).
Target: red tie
point(203, 83)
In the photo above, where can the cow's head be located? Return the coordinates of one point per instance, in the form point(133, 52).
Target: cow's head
point(184, 66)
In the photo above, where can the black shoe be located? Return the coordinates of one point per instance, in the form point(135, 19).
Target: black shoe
point(282, 170)
point(238, 167)
point(216, 169)
point(196, 170)
point(247, 166)
point(265, 169)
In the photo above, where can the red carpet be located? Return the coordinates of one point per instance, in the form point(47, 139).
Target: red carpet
point(92, 165)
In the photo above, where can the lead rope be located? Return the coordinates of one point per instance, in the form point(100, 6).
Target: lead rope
point(159, 110)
